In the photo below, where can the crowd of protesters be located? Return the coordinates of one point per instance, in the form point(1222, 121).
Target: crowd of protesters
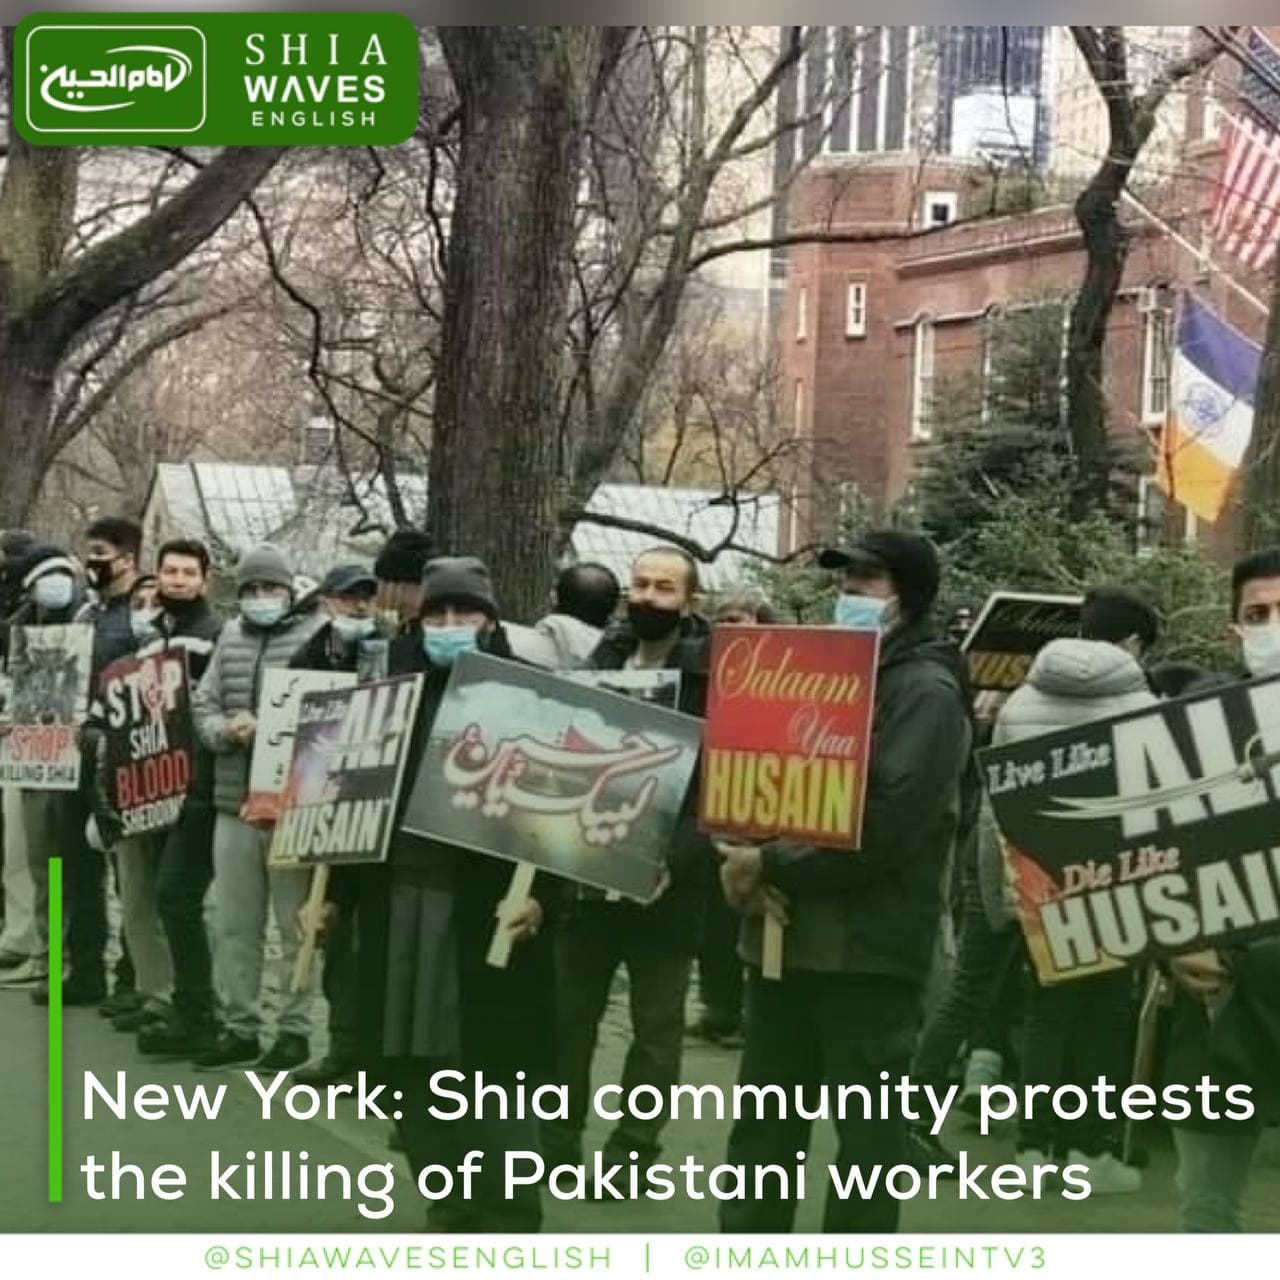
point(870, 983)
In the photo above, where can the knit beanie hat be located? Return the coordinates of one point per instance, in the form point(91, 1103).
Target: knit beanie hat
point(263, 564)
point(404, 556)
point(39, 560)
point(458, 580)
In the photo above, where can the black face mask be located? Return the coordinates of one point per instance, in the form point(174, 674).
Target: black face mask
point(651, 623)
point(99, 572)
point(179, 608)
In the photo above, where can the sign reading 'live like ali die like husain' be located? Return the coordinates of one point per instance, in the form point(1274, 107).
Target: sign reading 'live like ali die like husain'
point(216, 79)
point(788, 732)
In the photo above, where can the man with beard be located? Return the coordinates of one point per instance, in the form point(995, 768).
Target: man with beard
point(656, 942)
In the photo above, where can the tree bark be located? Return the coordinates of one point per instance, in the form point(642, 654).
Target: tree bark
point(1260, 525)
point(526, 96)
point(46, 300)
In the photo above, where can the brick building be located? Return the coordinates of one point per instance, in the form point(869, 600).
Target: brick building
point(867, 330)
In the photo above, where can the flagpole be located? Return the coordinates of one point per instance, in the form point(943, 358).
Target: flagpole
point(1199, 254)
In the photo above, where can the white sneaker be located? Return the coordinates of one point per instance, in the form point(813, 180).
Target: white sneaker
point(26, 974)
point(1106, 1175)
point(984, 1068)
point(1029, 1158)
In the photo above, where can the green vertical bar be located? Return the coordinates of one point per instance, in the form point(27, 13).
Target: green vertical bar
point(55, 1030)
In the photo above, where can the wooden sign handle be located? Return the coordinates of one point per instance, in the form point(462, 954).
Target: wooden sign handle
point(771, 949)
point(517, 892)
point(311, 934)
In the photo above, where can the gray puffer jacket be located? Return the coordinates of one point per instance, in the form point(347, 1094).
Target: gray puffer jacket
point(1073, 682)
point(232, 683)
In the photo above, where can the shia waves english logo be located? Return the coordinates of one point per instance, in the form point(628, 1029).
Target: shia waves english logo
point(115, 87)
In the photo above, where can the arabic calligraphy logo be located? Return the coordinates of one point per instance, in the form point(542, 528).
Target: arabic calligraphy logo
point(170, 68)
point(569, 778)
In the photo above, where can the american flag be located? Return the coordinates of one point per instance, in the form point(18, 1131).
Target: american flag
point(1246, 214)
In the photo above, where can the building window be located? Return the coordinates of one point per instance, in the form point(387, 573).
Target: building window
point(855, 309)
point(1151, 516)
point(802, 314)
point(797, 411)
point(1155, 366)
point(317, 440)
point(940, 208)
point(922, 381)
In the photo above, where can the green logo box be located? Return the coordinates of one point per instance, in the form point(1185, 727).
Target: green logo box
point(216, 79)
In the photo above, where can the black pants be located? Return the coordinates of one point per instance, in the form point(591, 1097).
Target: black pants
point(182, 879)
point(720, 972)
point(84, 875)
point(808, 1029)
point(341, 985)
point(587, 957)
point(1075, 1032)
point(983, 959)
point(429, 1141)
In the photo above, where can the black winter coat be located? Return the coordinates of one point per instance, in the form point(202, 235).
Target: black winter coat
point(675, 919)
point(508, 1015)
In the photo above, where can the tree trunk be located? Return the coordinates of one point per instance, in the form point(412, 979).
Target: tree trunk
point(1260, 525)
point(494, 479)
point(1107, 246)
point(26, 377)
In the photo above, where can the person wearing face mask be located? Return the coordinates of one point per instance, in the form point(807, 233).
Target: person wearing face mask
point(1078, 1031)
point(347, 595)
point(267, 633)
point(655, 942)
point(185, 622)
point(46, 593)
point(1213, 987)
point(429, 1000)
point(860, 926)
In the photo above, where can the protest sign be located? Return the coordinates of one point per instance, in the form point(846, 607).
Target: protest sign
point(1150, 834)
point(788, 733)
point(660, 687)
point(348, 761)
point(49, 671)
point(527, 766)
point(279, 701)
point(1011, 629)
point(150, 744)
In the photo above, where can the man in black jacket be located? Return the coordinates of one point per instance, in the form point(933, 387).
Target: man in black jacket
point(655, 942)
point(861, 925)
point(189, 624)
point(347, 595)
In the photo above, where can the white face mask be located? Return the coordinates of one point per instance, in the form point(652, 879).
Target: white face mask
point(53, 592)
point(1262, 648)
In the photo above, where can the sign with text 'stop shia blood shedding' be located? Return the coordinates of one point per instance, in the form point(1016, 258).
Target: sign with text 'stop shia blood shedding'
point(1153, 833)
point(528, 766)
point(788, 734)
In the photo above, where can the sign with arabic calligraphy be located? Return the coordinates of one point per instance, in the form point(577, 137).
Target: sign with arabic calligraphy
point(788, 733)
point(525, 765)
point(1149, 834)
point(149, 742)
point(279, 702)
point(1011, 629)
point(348, 760)
point(49, 671)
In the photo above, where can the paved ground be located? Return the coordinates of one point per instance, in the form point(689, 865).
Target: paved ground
point(92, 1044)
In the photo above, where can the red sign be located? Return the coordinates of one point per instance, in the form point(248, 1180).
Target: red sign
point(788, 733)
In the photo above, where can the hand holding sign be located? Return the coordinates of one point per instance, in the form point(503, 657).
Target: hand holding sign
point(1201, 973)
point(241, 728)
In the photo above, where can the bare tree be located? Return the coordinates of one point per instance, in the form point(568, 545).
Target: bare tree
point(52, 291)
point(1131, 119)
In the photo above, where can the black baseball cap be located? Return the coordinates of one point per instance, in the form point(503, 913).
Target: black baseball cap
point(909, 560)
point(349, 580)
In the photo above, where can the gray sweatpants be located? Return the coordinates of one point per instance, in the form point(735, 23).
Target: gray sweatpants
point(242, 886)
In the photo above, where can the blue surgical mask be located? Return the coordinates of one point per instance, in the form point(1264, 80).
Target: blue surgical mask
point(263, 613)
point(864, 612)
point(353, 629)
point(143, 623)
point(53, 592)
point(443, 644)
